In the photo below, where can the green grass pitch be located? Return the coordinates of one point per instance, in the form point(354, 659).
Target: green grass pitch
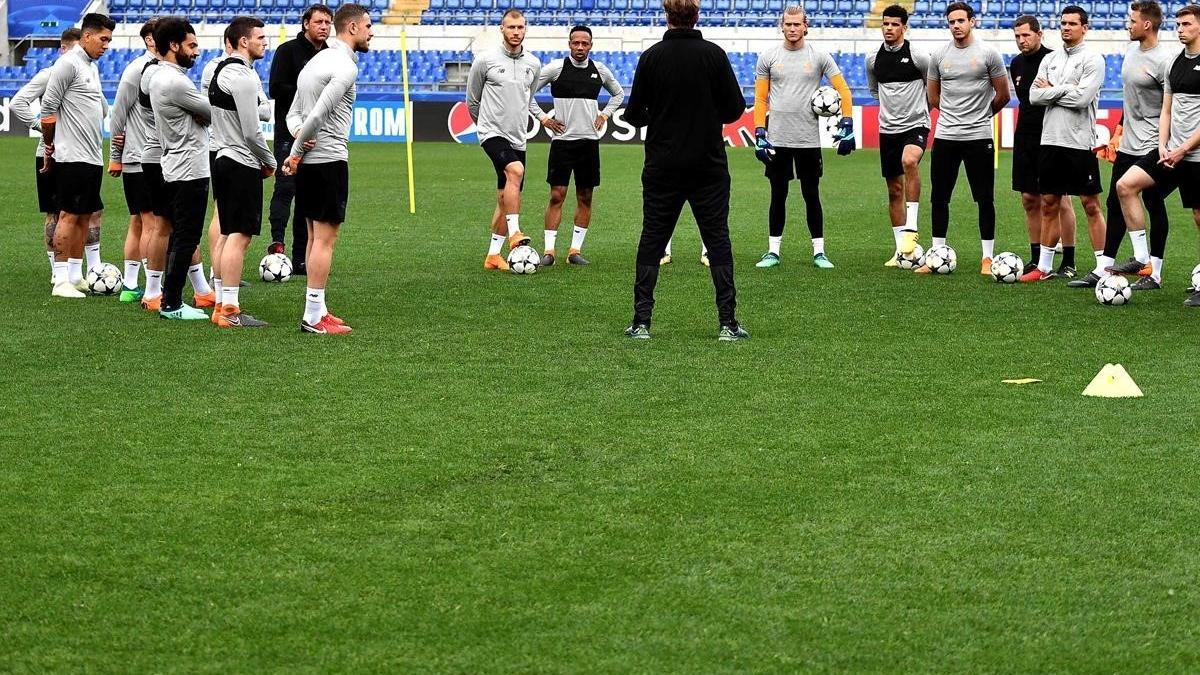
point(486, 477)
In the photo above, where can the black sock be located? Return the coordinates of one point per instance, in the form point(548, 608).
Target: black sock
point(1068, 256)
point(1035, 252)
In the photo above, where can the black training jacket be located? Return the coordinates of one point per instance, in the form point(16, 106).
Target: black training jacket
point(290, 58)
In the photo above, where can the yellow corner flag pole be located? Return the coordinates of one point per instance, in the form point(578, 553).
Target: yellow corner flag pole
point(408, 121)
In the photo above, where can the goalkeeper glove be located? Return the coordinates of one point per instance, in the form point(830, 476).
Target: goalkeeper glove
point(763, 150)
point(845, 136)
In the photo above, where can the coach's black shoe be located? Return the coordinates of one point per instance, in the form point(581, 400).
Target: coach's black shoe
point(732, 333)
point(1088, 281)
point(548, 258)
point(1193, 301)
point(300, 269)
point(638, 331)
point(1066, 272)
point(1131, 266)
point(1145, 284)
point(275, 247)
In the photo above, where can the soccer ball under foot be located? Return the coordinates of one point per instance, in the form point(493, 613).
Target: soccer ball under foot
point(941, 260)
point(1006, 268)
point(911, 261)
point(275, 268)
point(103, 279)
point(523, 260)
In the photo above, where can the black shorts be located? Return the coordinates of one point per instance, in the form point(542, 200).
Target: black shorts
point(1025, 164)
point(1185, 176)
point(187, 203)
point(45, 186)
point(977, 155)
point(212, 163)
point(322, 191)
point(502, 153)
point(137, 192)
point(1068, 171)
point(891, 149)
point(152, 173)
point(580, 157)
point(77, 187)
point(238, 190)
point(799, 163)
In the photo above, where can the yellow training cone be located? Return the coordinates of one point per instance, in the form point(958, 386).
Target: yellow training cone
point(1113, 382)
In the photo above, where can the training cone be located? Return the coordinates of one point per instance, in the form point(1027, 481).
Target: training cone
point(1113, 382)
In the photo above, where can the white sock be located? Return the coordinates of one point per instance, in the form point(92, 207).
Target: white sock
point(1103, 262)
point(577, 235)
point(324, 307)
point(703, 251)
point(1046, 259)
point(145, 264)
point(496, 244)
point(1156, 268)
point(60, 272)
point(818, 245)
point(513, 220)
point(314, 299)
point(988, 246)
point(774, 244)
point(92, 253)
point(939, 241)
point(1140, 251)
point(130, 276)
point(896, 235)
point(74, 270)
point(229, 296)
point(551, 236)
point(669, 246)
point(50, 255)
point(199, 283)
point(153, 284)
point(910, 215)
point(218, 289)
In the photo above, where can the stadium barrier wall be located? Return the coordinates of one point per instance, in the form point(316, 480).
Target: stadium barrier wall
point(444, 117)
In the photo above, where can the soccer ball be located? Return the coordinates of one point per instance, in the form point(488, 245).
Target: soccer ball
point(275, 268)
point(1113, 290)
point(1006, 268)
point(826, 102)
point(1196, 278)
point(941, 260)
point(913, 260)
point(523, 260)
point(104, 279)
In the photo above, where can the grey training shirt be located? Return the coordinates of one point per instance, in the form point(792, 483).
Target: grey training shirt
point(22, 104)
point(129, 117)
point(903, 106)
point(1075, 75)
point(73, 95)
point(184, 140)
point(324, 105)
point(1185, 109)
point(237, 134)
point(499, 91)
point(578, 114)
point(965, 74)
point(794, 75)
point(1143, 75)
point(152, 148)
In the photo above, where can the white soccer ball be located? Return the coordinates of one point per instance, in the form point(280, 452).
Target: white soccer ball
point(1006, 268)
point(913, 260)
point(1113, 290)
point(941, 260)
point(1196, 277)
point(104, 279)
point(275, 268)
point(826, 102)
point(523, 260)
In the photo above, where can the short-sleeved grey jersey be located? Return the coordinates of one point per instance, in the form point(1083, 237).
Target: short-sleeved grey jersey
point(129, 117)
point(965, 75)
point(499, 92)
point(177, 103)
point(152, 148)
point(324, 105)
point(22, 104)
point(903, 106)
point(73, 96)
point(794, 74)
point(578, 114)
point(1143, 74)
point(1075, 75)
point(1185, 101)
point(236, 133)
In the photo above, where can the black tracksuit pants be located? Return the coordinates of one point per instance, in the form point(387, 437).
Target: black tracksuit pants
point(663, 196)
point(187, 202)
point(281, 205)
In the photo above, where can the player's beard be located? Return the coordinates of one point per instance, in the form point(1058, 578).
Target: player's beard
point(185, 61)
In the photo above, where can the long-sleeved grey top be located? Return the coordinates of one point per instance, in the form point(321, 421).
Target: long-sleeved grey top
point(73, 97)
point(177, 105)
point(324, 105)
point(1073, 97)
point(499, 93)
point(576, 102)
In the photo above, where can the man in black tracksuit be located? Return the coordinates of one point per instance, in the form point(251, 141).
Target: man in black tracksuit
point(290, 58)
point(684, 90)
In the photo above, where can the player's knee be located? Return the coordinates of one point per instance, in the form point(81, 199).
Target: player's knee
point(514, 172)
point(558, 195)
point(910, 163)
point(1126, 189)
point(1091, 206)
